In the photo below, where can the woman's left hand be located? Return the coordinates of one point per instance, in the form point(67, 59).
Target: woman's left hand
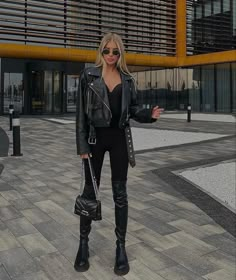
point(156, 111)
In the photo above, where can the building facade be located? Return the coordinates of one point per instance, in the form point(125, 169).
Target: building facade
point(180, 52)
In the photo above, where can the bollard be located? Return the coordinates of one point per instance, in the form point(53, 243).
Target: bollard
point(16, 134)
point(189, 113)
point(11, 110)
point(1, 168)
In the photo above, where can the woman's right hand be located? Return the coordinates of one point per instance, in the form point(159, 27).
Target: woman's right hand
point(84, 156)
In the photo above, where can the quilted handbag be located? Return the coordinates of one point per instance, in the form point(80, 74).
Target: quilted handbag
point(90, 208)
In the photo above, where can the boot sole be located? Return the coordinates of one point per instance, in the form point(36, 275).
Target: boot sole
point(121, 272)
point(81, 268)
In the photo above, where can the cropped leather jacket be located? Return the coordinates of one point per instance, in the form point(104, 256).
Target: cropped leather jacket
point(93, 109)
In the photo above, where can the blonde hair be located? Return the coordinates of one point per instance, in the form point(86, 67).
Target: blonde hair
point(121, 63)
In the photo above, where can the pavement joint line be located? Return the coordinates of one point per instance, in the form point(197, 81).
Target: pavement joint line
point(184, 145)
point(223, 216)
point(60, 121)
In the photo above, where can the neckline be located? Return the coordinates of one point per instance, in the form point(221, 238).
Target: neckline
point(113, 87)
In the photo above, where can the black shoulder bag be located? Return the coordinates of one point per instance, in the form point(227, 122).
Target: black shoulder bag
point(90, 208)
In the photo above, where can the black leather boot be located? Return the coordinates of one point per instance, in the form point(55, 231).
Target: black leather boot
point(121, 218)
point(121, 264)
point(81, 262)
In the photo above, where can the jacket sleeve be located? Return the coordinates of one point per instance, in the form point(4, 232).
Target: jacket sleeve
point(142, 115)
point(81, 118)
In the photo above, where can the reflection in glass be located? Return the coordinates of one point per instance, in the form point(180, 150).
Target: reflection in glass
point(234, 87)
point(57, 95)
point(194, 89)
point(47, 95)
point(36, 92)
point(13, 92)
point(208, 88)
point(46, 92)
point(223, 87)
point(216, 7)
point(72, 85)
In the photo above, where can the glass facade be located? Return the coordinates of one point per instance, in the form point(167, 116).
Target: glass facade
point(13, 91)
point(72, 85)
point(211, 26)
point(38, 86)
point(208, 88)
point(233, 80)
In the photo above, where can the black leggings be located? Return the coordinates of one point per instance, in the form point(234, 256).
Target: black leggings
point(111, 140)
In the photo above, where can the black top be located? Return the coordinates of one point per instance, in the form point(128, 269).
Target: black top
point(115, 104)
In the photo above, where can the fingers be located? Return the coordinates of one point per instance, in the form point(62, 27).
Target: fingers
point(84, 156)
point(156, 111)
point(158, 108)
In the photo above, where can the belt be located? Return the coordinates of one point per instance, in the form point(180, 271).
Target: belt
point(92, 135)
point(130, 146)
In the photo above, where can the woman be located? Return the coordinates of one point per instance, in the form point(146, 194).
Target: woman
point(106, 101)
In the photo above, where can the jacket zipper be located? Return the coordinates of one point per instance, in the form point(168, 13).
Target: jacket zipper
point(101, 99)
point(88, 101)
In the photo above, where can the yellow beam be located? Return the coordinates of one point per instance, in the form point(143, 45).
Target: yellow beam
point(151, 60)
point(42, 52)
point(210, 58)
point(181, 30)
point(80, 55)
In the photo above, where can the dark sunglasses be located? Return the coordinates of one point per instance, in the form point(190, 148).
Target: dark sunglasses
point(114, 52)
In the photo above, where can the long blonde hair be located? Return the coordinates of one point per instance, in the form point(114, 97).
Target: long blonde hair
point(121, 63)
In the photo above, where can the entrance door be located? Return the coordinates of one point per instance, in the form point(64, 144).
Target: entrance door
point(46, 92)
point(36, 92)
point(72, 86)
point(13, 92)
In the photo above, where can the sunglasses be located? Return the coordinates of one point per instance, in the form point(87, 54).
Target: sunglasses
point(107, 51)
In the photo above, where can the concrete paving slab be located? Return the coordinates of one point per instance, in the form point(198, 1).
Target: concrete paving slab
point(220, 183)
point(201, 117)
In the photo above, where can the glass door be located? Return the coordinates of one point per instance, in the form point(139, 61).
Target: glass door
point(13, 92)
point(36, 92)
point(57, 92)
point(46, 92)
point(72, 86)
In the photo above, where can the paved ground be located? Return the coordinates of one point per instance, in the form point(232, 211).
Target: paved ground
point(175, 232)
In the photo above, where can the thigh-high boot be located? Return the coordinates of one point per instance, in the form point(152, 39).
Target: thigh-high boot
point(81, 262)
point(121, 218)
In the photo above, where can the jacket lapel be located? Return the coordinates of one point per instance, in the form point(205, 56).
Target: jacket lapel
point(125, 79)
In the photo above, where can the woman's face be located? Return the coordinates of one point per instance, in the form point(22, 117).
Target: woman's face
point(111, 53)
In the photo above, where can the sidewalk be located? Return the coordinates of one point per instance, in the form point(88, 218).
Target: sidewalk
point(176, 231)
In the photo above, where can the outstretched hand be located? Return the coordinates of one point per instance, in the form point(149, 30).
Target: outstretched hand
point(156, 111)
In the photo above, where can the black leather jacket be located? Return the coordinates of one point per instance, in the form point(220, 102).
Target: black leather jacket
point(93, 108)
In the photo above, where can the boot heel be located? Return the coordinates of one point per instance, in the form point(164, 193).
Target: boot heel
point(121, 265)
point(82, 268)
point(121, 271)
point(81, 262)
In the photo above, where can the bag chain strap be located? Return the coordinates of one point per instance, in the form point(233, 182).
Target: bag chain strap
point(95, 186)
